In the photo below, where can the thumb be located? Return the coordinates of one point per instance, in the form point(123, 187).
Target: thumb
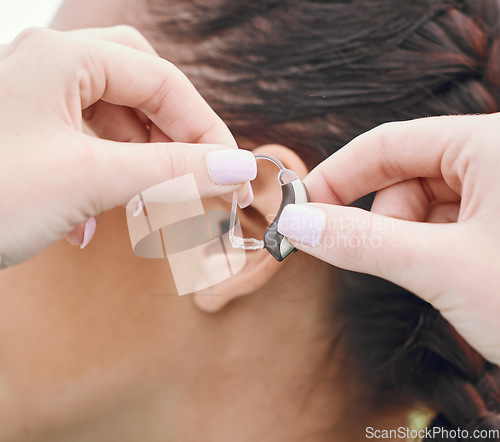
point(407, 253)
point(116, 172)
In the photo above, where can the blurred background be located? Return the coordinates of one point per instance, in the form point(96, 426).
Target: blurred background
point(16, 15)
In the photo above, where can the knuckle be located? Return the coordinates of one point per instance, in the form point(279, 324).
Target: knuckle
point(331, 194)
point(154, 103)
point(384, 132)
point(33, 33)
point(129, 36)
point(86, 69)
point(33, 39)
point(129, 32)
point(386, 160)
point(388, 126)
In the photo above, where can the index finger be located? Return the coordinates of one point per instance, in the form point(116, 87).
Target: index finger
point(391, 153)
point(124, 76)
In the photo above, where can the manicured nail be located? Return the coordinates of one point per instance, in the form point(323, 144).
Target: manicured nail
point(245, 202)
point(88, 234)
point(135, 207)
point(302, 223)
point(231, 166)
point(139, 209)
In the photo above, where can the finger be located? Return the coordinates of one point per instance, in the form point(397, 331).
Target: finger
point(437, 189)
point(118, 74)
point(163, 93)
point(392, 153)
point(157, 136)
point(124, 76)
point(404, 252)
point(112, 122)
point(125, 35)
point(133, 132)
point(245, 192)
point(143, 118)
point(443, 213)
point(412, 199)
point(406, 200)
point(83, 233)
point(116, 172)
point(116, 123)
point(121, 34)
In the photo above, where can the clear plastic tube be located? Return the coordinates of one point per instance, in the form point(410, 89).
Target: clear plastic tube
point(236, 241)
point(248, 243)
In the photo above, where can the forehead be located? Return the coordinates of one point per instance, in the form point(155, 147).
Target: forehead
point(76, 14)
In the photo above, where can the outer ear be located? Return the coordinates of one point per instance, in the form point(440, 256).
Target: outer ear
point(260, 266)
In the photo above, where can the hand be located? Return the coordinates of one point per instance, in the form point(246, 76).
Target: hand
point(53, 177)
point(434, 225)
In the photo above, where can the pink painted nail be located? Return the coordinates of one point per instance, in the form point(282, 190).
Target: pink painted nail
point(302, 223)
point(88, 234)
point(245, 202)
point(231, 166)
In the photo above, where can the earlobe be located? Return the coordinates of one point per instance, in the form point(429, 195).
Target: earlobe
point(260, 266)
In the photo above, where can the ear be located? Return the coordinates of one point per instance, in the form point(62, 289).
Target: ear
point(260, 266)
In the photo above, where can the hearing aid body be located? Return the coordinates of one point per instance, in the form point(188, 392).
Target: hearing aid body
point(293, 191)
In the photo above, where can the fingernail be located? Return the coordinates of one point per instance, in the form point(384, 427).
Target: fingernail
point(139, 209)
point(302, 223)
point(88, 234)
point(135, 207)
point(245, 202)
point(231, 166)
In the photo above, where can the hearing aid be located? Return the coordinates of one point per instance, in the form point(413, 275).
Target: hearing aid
point(293, 191)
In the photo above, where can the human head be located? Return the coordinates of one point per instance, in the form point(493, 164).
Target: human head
point(311, 76)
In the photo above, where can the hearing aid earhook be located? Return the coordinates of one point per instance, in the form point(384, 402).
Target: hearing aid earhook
point(293, 191)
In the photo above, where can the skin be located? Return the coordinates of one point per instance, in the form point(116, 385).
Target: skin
point(99, 71)
point(89, 352)
point(440, 206)
point(96, 345)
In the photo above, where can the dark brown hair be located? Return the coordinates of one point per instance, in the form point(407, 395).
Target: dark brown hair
point(313, 74)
